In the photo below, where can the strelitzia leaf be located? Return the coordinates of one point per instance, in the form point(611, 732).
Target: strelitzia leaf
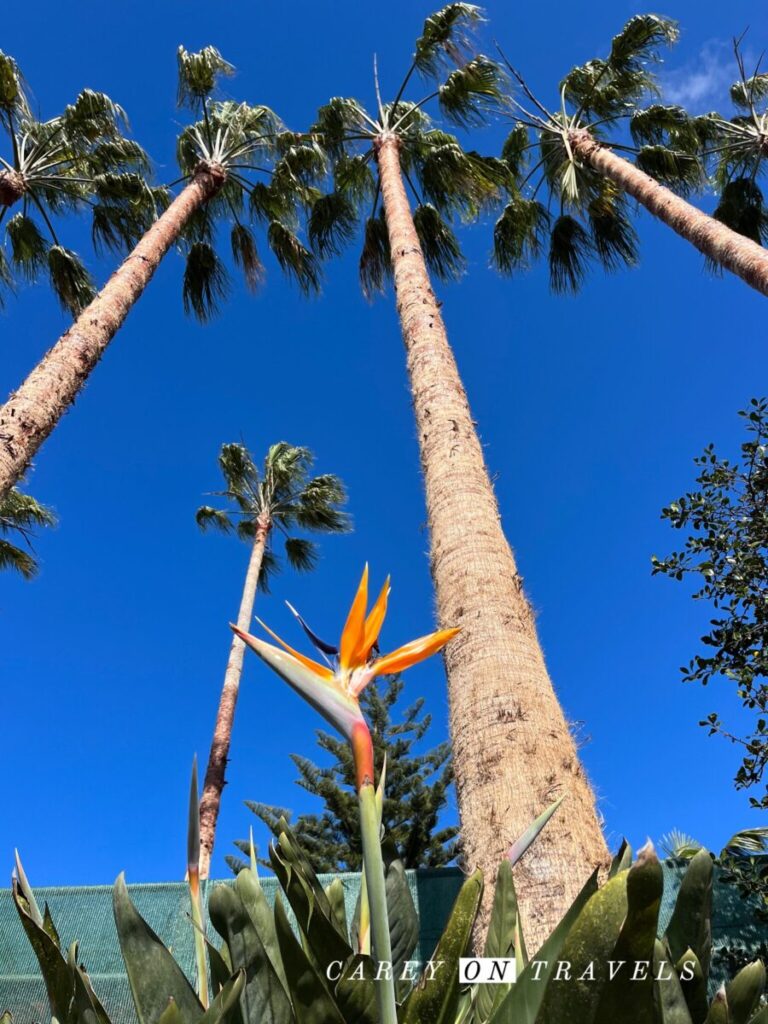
point(521, 846)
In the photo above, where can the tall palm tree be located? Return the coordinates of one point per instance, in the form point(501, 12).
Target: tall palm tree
point(20, 514)
point(238, 164)
point(512, 746)
point(75, 160)
point(283, 497)
point(588, 181)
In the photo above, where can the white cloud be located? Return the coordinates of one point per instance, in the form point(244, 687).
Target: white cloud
point(703, 83)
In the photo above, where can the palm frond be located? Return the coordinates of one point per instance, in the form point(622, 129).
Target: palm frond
point(613, 236)
point(286, 467)
point(671, 126)
point(317, 507)
point(742, 208)
point(570, 249)
point(748, 841)
point(302, 554)
point(71, 282)
point(246, 256)
point(272, 203)
point(457, 181)
point(29, 248)
point(12, 98)
point(438, 243)
point(205, 282)
point(92, 117)
point(238, 469)
point(198, 74)
point(332, 223)
point(270, 567)
point(639, 41)
point(125, 209)
point(294, 258)
point(118, 153)
point(446, 37)
point(515, 148)
point(352, 176)
point(335, 120)
point(519, 233)
point(679, 845)
point(678, 170)
point(305, 161)
point(375, 257)
point(469, 91)
point(6, 278)
point(750, 91)
point(17, 560)
point(209, 518)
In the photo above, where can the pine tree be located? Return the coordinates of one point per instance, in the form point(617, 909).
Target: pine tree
point(417, 791)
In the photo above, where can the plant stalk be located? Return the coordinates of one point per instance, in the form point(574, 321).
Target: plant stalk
point(373, 864)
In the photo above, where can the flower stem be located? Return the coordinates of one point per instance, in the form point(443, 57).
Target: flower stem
point(373, 863)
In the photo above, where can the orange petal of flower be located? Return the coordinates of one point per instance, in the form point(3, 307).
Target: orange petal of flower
point(314, 666)
point(375, 620)
point(415, 651)
point(353, 635)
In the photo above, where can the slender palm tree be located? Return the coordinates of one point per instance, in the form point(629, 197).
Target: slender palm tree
point(238, 165)
point(512, 746)
point(20, 514)
point(283, 497)
point(587, 180)
point(76, 160)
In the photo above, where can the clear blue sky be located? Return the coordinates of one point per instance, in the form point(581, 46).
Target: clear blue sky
point(590, 410)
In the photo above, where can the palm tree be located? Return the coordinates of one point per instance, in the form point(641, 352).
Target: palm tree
point(511, 743)
point(79, 158)
point(588, 181)
point(224, 158)
point(19, 515)
point(283, 497)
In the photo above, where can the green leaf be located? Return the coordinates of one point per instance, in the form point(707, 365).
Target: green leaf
point(438, 243)
point(58, 977)
point(623, 859)
point(294, 259)
point(403, 919)
point(500, 940)
point(29, 249)
point(205, 282)
point(670, 1001)
point(436, 999)
point(470, 91)
point(375, 257)
point(263, 997)
point(335, 894)
point(570, 249)
point(331, 224)
point(70, 280)
point(153, 974)
point(312, 1003)
point(199, 74)
point(446, 37)
point(524, 1000)
point(690, 925)
point(246, 256)
point(744, 992)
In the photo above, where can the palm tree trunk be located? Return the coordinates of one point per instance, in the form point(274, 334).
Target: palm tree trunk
point(32, 412)
point(215, 773)
point(512, 747)
point(719, 243)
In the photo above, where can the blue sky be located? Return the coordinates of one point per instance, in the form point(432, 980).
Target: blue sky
point(590, 409)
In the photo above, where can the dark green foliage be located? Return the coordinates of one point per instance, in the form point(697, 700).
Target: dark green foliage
point(71, 282)
point(246, 256)
point(438, 243)
point(742, 207)
point(29, 249)
point(613, 234)
point(726, 555)
point(446, 38)
point(206, 283)
point(570, 248)
point(375, 257)
point(469, 91)
point(417, 791)
point(333, 219)
point(199, 74)
point(282, 496)
point(519, 234)
point(294, 258)
point(20, 515)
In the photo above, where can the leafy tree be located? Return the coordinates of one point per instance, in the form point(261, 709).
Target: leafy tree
point(76, 160)
point(417, 791)
point(571, 196)
point(282, 497)
point(511, 744)
point(20, 514)
point(239, 166)
point(726, 555)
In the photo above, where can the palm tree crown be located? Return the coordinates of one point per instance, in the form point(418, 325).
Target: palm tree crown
point(19, 515)
point(282, 495)
point(567, 207)
point(445, 179)
point(78, 158)
point(265, 172)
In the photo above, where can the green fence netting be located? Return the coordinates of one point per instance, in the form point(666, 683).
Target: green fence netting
point(85, 913)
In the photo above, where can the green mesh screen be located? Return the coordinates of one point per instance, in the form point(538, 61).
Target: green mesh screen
point(85, 914)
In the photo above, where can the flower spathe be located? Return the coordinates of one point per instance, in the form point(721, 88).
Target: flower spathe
point(334, 689)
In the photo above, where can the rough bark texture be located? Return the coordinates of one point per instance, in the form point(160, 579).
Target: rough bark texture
point(12, 187)
point(31, 413)
point(215, 773)
point(719, 243)
point(513, 751)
